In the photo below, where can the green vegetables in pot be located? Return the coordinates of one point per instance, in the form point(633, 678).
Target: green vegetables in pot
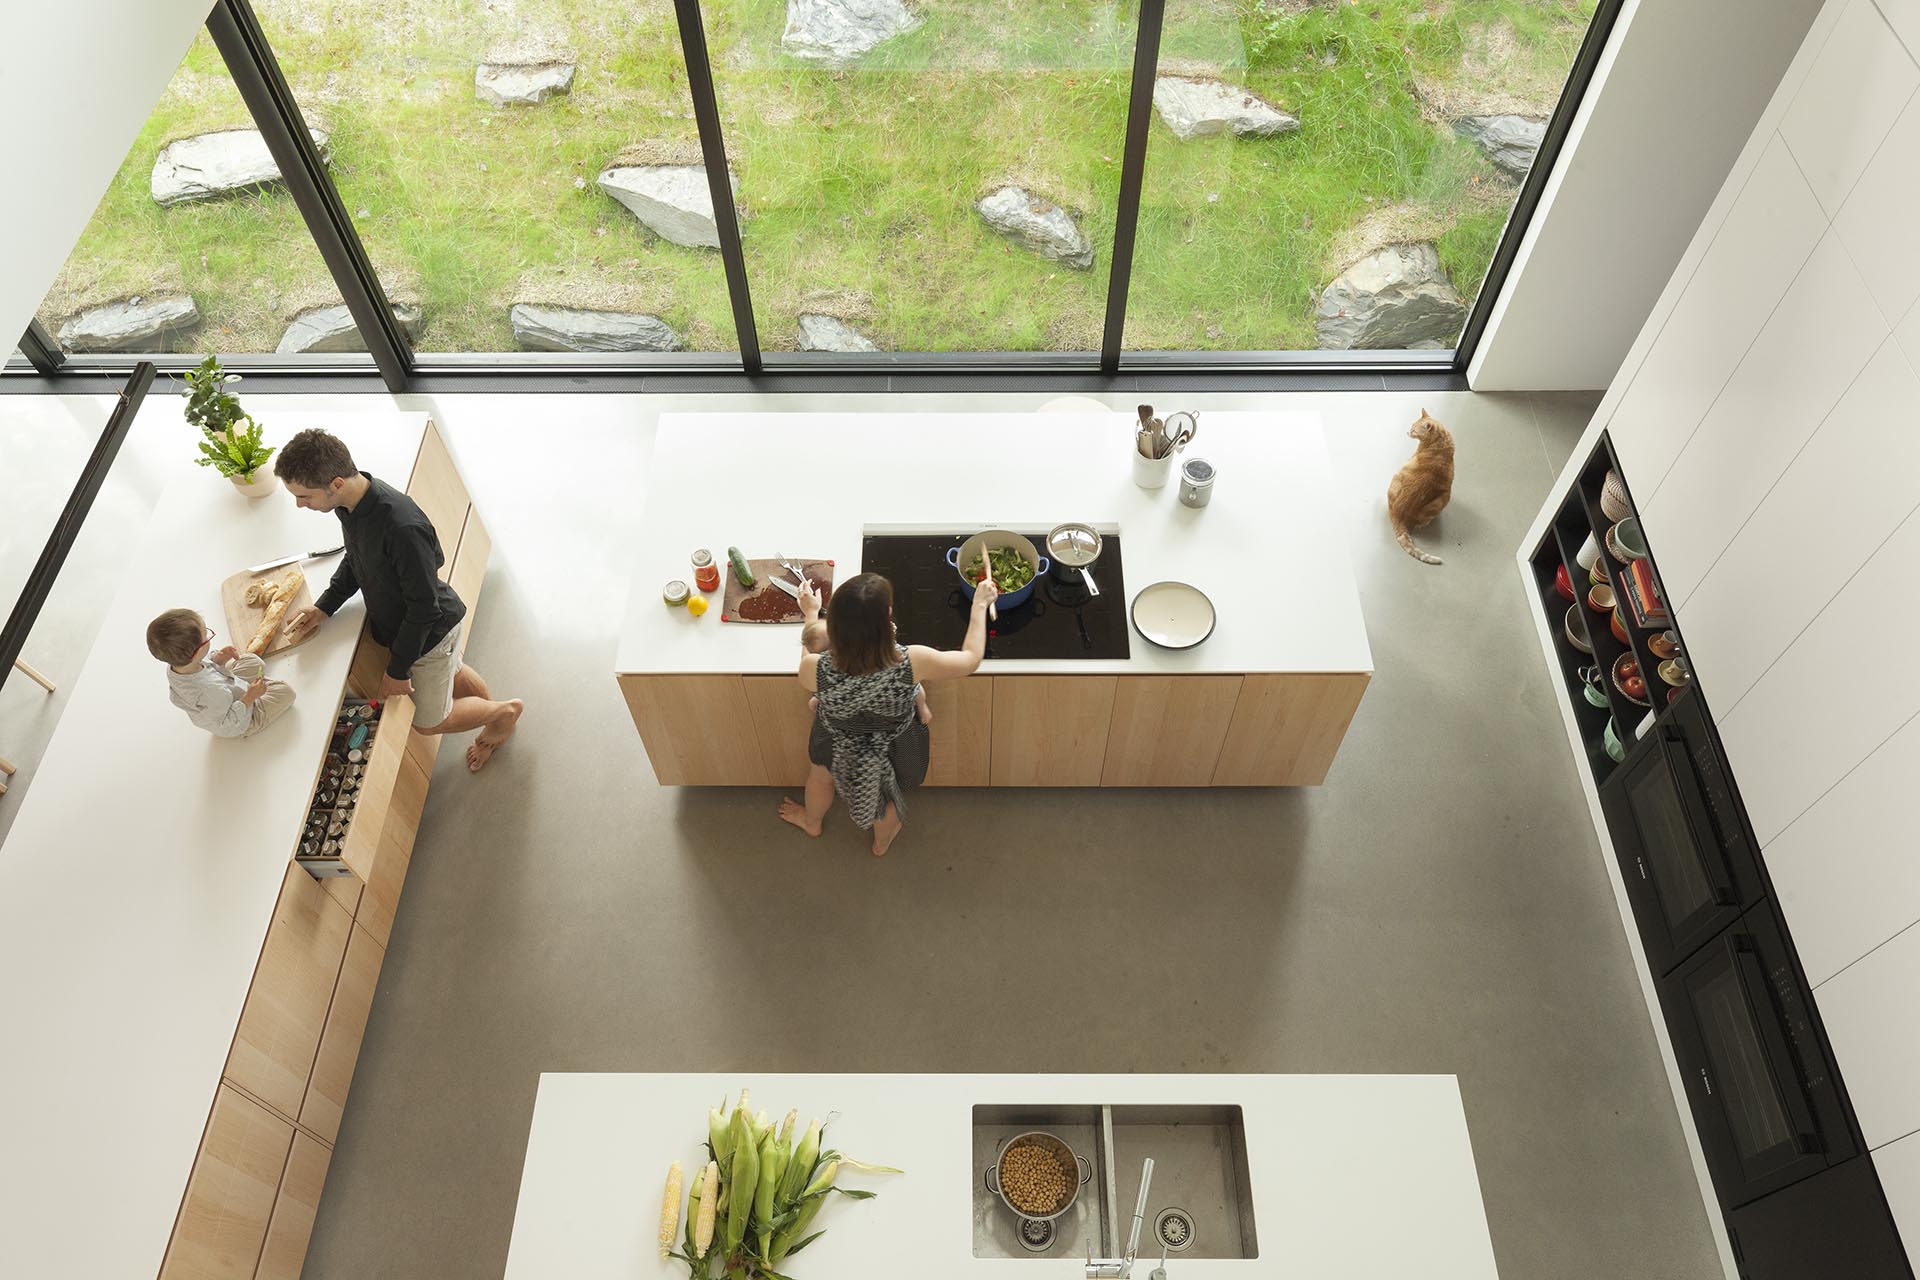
point(1010, 569)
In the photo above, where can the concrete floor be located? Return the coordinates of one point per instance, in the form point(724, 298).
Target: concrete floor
point(1439, 906)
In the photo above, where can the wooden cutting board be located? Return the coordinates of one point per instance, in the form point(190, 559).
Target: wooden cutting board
point(766, 602)
point(243, 619)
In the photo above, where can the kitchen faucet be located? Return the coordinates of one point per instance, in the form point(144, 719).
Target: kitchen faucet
point(1122, 1268)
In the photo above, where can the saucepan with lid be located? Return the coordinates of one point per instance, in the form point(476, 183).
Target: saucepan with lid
point(1075, 546)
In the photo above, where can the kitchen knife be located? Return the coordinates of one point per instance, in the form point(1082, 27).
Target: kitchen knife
point(311, 555)
point(785, 586)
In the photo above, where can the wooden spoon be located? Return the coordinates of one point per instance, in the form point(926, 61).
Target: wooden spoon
point(986, 568)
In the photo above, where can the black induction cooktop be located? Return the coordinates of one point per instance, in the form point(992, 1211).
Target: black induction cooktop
point(1061, 619)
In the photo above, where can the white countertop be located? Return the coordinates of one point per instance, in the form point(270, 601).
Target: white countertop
point(142, 870)
point(1267, 550)
point(1355, 1177)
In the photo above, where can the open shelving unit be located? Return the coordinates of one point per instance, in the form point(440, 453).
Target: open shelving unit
point(1580, 517)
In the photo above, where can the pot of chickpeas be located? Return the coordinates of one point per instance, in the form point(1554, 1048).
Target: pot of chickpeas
point(1038, 1176)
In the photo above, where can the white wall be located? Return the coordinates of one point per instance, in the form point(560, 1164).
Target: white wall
point(1766, 423)
point(1673, 98)
point(77, 80)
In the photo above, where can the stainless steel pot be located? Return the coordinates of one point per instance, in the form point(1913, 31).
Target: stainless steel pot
point(1076, 546)
point(1060, 1151)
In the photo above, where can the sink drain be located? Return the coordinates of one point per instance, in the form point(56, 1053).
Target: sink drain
point(1174, 1227)
point(1036, 1235)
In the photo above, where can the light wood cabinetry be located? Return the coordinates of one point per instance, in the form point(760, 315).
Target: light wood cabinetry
point(1050, 731)
point(230, 1194)
point(255, 1187)
point(781, 723)
point(962, 732)
point(286, 1008)
point(326, 1094)
point(698, 730)
point(294, 1209)
point(1286, 728)
point(1167, 730)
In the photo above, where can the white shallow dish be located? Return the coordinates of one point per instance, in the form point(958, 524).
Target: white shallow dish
point(1173, 615)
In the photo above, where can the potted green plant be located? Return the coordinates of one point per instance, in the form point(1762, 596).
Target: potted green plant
point(232, 442)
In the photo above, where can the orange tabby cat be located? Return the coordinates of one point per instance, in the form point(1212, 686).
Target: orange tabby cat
point(1420, 490)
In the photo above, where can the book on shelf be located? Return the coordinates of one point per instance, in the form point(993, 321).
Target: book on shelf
point(1643, 597)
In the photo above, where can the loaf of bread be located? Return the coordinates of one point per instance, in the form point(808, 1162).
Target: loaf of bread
point(268, 621)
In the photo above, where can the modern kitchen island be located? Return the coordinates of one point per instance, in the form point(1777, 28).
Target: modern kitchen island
point(193, 999)
point(1265, 700)
point(1360, 1177)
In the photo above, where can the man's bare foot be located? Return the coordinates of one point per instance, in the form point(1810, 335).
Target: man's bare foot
point(886, 829)
point(793, 811)
point(494, 735)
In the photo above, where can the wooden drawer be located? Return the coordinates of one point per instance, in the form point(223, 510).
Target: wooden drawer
point(698, 730)
point(326, 1096)
point(1050, 731)
point(286, 1009)
point(1286, 729)
point(962, 732)
point(436, 487)
point(1167, 730)
point(781, 723)
point(380, 788)
point(394, 855)
point(230, 1193)
point(294, 1210)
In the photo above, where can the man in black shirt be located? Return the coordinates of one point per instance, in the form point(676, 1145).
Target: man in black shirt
point(393, 560)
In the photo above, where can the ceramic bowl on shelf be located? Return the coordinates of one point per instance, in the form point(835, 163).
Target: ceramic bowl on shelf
point(1562, 583)
point(1619, 627)
point(1625, 542)
point(1628, 680)
point(1610, 740)
point(1597, 575)
point(1575, 628)
point(1600, 598)
point(1613, 497)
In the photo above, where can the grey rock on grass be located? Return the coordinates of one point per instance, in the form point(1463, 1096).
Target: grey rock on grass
point(1037, 224)
point(328, 329)
point(212, 165)
point(836, 32)
point(537, 327)
point(521, 84)
point(1196, 108)
point(829, 333)
point(672, 200)
point(1396, 299)
point(1510, 142)
point(132, 324)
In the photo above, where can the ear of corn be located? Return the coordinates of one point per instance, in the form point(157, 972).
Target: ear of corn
point(693, 1209)
point(822, 1180)
point(709, 1205)
point(761, 1128)
point(790, 1235)
point(746, 1177)
point(786, 1128)
point(719, 1134)
point(670, 1209)
point(800, 1168)
point(773, 1162)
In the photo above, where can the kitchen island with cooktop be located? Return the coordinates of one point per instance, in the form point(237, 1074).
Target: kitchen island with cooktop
point(1071, 693)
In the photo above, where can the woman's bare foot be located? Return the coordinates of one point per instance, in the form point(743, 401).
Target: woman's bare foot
point(886, 829)
point(793, 811)
point(495, 735)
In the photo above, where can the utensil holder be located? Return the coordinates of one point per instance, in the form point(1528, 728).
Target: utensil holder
point(1151, 473)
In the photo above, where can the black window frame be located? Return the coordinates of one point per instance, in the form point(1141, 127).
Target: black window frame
point(399, 368)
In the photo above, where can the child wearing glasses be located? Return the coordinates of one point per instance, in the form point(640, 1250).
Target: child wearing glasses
point(225, 692)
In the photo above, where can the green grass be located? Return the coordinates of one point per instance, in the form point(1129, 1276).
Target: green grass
point(856, 187)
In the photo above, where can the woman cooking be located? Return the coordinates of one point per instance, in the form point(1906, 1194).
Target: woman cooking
point(867, 741)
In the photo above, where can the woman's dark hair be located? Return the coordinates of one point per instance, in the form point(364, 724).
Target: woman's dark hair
point(860, 625)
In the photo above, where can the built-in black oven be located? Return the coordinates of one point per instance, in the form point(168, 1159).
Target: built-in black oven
point(1766, 1100)
point(1679, 832)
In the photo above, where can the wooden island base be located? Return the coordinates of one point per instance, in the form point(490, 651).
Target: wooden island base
point(1277, 730)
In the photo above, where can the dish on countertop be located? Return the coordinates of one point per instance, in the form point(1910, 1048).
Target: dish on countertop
point(1174, 615)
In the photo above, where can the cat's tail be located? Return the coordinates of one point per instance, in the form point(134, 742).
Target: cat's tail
point(1405, 539)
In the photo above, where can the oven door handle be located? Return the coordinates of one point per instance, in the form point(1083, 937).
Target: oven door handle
point(1693, 800)
point(1773, 1042)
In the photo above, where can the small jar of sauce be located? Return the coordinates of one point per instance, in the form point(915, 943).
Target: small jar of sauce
point(675, 593)
point(706, 574)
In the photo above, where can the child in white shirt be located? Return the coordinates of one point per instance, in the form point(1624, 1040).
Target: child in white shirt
point(225, 692)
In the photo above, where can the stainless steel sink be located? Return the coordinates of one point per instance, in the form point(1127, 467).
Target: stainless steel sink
point(1200, 1204)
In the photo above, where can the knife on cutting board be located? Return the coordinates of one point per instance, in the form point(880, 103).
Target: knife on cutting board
point(293, 559)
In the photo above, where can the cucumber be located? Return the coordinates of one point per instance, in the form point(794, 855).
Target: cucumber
point(740, 569)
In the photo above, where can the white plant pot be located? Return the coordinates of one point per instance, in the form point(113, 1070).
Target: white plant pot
point(263, 483)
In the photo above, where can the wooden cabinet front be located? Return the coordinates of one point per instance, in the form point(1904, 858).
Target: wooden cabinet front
point(294, 1210)
point(326, 1097)
point(1167, 730)
point(962, 732)
point(1050, 731)
point(286, 1009)
point(698, 730)
point(229, 1203)
point(1286, 729)
point(781, 723)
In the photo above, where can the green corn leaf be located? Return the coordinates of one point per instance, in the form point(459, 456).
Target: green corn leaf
point(864, 1167)
point(804, 1243)
point(854, 1195)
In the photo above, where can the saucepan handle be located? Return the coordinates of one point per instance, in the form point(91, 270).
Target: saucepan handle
point(1086, 1169)
point(993, 1178)
point(953, 557)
